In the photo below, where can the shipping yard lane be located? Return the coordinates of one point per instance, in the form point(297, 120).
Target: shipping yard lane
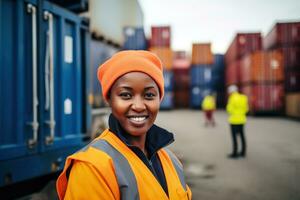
point(271, 169)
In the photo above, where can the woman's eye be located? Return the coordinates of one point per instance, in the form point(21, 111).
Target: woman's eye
point(149, 95)
point(125, 95)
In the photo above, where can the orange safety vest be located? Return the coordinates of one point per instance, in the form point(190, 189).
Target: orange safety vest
point(108, 169)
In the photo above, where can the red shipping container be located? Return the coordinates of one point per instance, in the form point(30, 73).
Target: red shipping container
point(181, 98)
point(181, 78)
point(242, 44)
point(264, 97)
point(181, 64)
point(180, 55)
point(291, 58)
point(232, 73)
point(283, 35)
point(160, 36)
point(262, 67)
point(292, 81)
point(181, 60)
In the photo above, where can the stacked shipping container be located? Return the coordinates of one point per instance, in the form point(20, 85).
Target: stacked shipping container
point(200, 73)
point(262, 80)
point(160, 45)
point(285, 37)
point(242, 44)
point(259, 74)
point(181, 67)
point(218, 79)
point(134, 38)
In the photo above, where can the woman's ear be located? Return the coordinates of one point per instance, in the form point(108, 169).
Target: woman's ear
point(109, 98)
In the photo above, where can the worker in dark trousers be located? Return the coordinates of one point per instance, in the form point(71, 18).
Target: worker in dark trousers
point(237, 108)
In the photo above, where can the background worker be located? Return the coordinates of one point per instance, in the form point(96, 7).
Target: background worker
point(237, 108)
point(208, 107)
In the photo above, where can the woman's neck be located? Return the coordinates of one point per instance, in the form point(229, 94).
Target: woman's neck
point(139, 142)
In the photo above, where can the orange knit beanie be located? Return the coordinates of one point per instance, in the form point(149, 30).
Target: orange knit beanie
point(130, 61)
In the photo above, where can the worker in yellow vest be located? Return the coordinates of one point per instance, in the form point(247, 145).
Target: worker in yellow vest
point(237, 108)
point(128, 161)
point(209, 106)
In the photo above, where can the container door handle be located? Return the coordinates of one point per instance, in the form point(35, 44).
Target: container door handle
point(49, 139)
point(34, 124)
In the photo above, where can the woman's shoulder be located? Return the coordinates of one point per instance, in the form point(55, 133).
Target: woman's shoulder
point(93, 154)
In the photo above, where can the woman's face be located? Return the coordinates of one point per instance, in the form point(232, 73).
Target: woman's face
point(134, 100)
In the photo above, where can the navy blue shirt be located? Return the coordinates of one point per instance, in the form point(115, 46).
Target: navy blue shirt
point(156, 139)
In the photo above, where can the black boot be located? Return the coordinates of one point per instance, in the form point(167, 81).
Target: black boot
point(233, 156)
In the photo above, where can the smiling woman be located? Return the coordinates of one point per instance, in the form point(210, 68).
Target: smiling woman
point(129, 160)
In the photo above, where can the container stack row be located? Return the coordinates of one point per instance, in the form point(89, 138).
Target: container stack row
point(160, 45)
point(258, 73)
point(285, 38)
point(201, 73)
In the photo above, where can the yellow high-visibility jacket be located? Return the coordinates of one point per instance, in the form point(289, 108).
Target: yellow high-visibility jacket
point(237, 108)
point(208, 103)
point(108, 169)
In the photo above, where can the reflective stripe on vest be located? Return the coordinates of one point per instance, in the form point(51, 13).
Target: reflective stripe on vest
point(178, 167)
point(125, 176)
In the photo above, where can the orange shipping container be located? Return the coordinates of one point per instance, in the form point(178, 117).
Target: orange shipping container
point(262, 67)
point(165, 54)
point(201, 54)
point(292, 104)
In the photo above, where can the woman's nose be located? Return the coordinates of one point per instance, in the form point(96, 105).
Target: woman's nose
point(138, 104)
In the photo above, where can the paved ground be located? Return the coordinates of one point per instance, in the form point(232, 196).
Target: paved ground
point(271, 170)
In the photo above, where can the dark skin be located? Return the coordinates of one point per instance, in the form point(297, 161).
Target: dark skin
point(134, 101)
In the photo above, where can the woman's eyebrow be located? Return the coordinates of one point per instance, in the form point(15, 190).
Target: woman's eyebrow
point(149, 87)
point(124, 87)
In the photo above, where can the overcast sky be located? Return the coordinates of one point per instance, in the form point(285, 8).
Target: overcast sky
point(214, 20)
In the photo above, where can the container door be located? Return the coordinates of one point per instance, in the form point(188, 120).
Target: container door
point(18, 87)
point(63, 75)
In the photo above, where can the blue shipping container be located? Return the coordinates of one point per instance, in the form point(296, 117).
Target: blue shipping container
point(44, 88)
point(134, 38)
point(100, 52)
point(218, 83)
point(167, 102)
point(197, 94)
point(219, 64)
point(168, 78)
point(218, 73)
point(201, 75)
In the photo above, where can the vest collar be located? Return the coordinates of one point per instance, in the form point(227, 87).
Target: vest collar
point(156, 138)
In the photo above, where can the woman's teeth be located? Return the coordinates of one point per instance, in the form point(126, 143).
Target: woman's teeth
point(138, 119)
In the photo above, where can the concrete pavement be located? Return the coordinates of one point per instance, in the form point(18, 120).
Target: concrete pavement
point(271, 170)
